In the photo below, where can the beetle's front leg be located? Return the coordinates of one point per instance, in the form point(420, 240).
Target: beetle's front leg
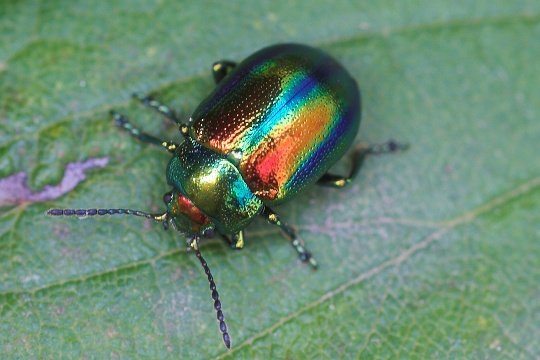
point(303, 253)
point(358, 157)
point(221, 68)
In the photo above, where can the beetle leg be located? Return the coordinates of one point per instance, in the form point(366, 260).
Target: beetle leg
point(221, 68)
point(164, 110)
point(123, 123)
point(303, 253)
point(237, 242)
point(358, 158)
point(227, 240)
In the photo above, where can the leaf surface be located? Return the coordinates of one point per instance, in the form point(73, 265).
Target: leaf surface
point(432, 253)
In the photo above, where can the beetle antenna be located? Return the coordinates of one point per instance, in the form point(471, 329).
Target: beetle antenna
point(93, 212)
point(215, 294)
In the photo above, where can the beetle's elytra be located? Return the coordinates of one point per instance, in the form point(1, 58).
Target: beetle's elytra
point(273, 126)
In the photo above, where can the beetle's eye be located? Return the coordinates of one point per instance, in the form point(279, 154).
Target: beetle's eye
point(167, 198)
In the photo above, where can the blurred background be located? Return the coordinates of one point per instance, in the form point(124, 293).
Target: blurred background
point(431, 253)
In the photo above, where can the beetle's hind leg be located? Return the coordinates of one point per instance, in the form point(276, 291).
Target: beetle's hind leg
point(221, 68)
point(303, 253)
point(122, 122)
point(358, 157)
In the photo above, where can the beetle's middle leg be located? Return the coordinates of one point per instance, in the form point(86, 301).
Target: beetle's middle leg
point(237, 241)
point(358, 157)
point(303, 253)
point(221, 68)
point(123, 123)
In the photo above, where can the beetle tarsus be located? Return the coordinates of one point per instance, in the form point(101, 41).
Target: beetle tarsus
point(306, 257)
point(221, 68)
point(123, 122)
point(163, 109)
point(239, 240)
point(303, 254)
point(227, 241)
point(388, 147)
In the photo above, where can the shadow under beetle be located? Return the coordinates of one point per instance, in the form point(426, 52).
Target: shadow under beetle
point(273, 125)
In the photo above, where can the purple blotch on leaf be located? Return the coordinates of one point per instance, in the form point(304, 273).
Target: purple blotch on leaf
point(14, 188)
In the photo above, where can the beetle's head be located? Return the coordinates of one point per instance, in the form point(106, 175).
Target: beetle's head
point(209, 187)
point(186, 217)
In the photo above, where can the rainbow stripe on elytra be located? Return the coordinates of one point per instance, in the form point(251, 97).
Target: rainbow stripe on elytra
point(289, 116)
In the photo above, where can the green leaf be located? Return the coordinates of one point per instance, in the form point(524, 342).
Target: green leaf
point(432, 253)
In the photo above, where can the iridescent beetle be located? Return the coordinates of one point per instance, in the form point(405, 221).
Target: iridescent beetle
point(273, 126)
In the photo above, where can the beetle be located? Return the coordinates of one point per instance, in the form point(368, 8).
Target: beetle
point(272, 127)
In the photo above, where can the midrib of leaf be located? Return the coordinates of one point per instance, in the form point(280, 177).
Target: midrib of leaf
point(386, 33)
point(445, 227)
